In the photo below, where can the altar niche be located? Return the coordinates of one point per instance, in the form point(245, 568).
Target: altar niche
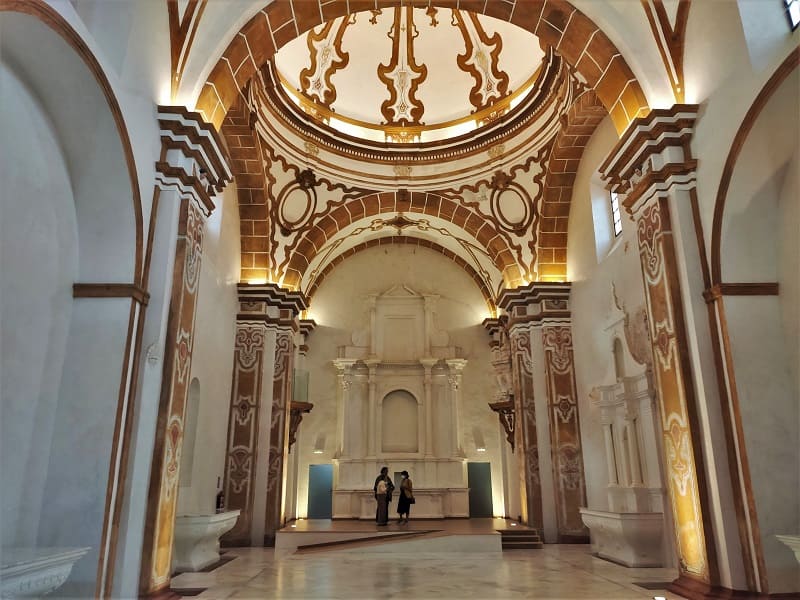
point(398, 404)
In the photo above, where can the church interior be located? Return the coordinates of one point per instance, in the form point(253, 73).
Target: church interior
point(541, 255)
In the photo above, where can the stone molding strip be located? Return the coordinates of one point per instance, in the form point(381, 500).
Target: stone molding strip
point(110, 290)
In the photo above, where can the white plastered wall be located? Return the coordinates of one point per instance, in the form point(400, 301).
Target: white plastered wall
point(73, 211)
point(38, 264)
point(760, 244)
point(594, 268)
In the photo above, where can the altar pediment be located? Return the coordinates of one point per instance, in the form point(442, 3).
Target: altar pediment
point(400, 327)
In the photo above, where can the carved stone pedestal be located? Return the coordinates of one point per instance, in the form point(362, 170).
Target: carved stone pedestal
point(630, 539)
point(197, 539)
point(36, 572)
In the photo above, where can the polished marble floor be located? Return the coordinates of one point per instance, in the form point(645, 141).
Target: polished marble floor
point(556, 572)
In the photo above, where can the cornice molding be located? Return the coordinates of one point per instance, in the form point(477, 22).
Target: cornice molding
point(186, 131)
point(272, 295)
point(534, 294)
point(272, 96)
point(653, 155)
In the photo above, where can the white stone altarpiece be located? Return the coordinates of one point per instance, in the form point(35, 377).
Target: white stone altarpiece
point(631, 531)
point(398, 406)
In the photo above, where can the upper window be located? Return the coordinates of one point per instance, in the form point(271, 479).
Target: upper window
point(615, 214)
point(793, 12)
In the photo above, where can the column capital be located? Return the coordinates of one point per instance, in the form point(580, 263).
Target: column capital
point(306, 326)
point(273, 304)
point(343, 364)
point(195, 162)
point(428, 363)
point(652, 156)
point(456, 365)
point(536, 302)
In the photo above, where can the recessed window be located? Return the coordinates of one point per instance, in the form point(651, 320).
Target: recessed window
point(793, 12)
point(615, 214)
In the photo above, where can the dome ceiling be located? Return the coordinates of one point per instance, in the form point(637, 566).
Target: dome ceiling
point(409, 74)
point(438, 128)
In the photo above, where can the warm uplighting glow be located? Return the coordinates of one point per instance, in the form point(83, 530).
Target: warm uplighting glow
point(257, 281)
point(165, 93)
point(480, 449)
point(317, 452)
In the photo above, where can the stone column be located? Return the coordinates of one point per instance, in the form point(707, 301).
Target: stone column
point(372, 424)
point(243, 426)
point(651, 165)
point(190, 146)
point(503, 405)
point(299, 407)
point(540, 311)
point(279, 433)
point(631, 414)
point(611, 460)
point(259, 419)
point(344, 445)
point(373, 332)
point(525, 438)
point(565, 436)
point(427, 449)
point(455, 367)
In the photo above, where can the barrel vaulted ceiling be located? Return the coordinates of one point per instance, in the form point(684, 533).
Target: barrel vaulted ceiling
point(457, 126)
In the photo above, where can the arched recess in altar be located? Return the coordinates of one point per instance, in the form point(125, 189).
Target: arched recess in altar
point(400, 422)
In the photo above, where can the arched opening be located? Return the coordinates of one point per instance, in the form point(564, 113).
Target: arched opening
point(755, 258)
point(399, 423)
point(68, 219)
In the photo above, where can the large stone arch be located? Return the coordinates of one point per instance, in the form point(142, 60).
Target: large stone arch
point(400, 240)
point(556, 23)
point(578, 125)
point(311, 242)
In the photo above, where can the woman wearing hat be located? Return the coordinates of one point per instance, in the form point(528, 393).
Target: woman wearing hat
point(406, 498)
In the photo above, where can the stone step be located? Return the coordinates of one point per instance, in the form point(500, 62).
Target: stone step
point(522, 545)
point(363, 541)
point(521, 539)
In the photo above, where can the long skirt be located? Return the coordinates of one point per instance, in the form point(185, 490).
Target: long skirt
point(382, 514)
point(403, 505)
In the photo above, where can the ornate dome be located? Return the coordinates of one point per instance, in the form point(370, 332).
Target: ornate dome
point(409, 74)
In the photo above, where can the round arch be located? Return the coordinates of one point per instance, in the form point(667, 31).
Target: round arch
point(409, 241)
point(313, 240)
point(773, 84)
point(45, 14)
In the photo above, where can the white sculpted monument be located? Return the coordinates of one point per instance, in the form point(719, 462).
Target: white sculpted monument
point(398, 405)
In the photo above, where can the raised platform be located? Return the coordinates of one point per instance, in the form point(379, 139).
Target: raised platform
point(430, 535)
